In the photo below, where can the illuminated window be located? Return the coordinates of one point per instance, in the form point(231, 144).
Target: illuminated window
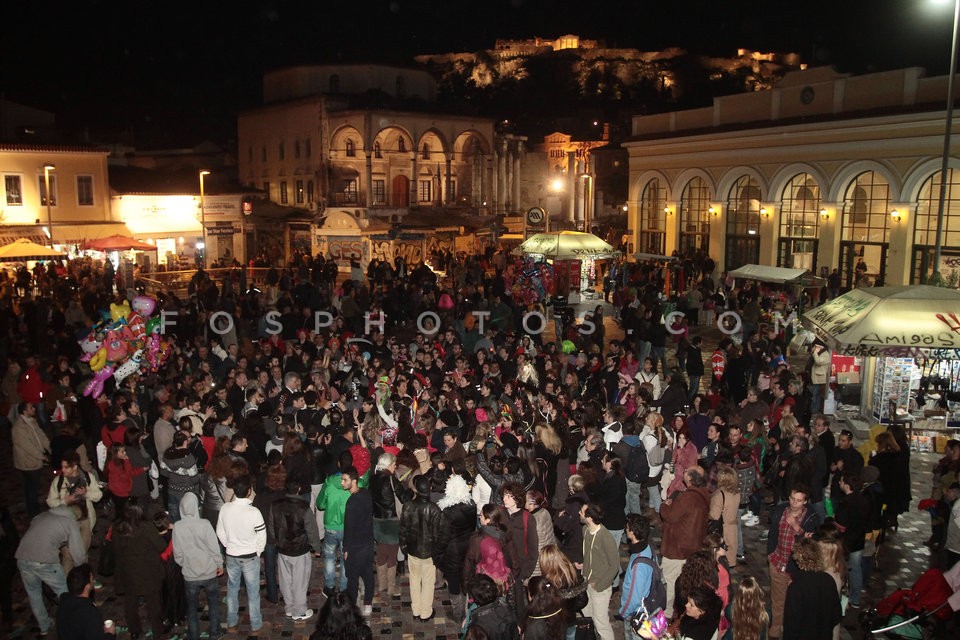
point(14, 190)
point(42, 180)
point(800, 208)
point(653, 219)
point(866, 216)
point(695, 217)
point(85, 191)
point(298, 191)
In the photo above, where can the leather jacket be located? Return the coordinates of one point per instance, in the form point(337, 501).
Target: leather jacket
point(420, 527)
point(384, 487)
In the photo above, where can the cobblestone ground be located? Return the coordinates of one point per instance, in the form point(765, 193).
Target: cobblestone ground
point(902, 559)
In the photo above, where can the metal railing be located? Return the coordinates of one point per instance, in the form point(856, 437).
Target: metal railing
point(178, 282)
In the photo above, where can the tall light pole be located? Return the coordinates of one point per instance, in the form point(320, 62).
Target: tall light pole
point(945, 160)
point(47, 168)
point(203, 216)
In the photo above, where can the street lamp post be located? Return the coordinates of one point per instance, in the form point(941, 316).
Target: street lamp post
point(47, 168)
point(945, 160)
point(203, 216)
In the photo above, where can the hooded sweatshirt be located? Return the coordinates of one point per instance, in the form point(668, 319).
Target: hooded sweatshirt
point(195, 545)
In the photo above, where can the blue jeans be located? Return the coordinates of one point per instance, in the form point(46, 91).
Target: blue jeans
point(247, 569)
point(270, 572)
point(694, 386)
point(212, 588)
point(332, 542)
point(855, 575)
point(34, 576)
point(659, 354)
point(655, 500)
point(173, 506)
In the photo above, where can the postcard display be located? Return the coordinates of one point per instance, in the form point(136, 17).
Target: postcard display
point(893, 379)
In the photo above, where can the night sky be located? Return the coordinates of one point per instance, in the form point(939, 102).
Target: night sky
point(147, 65)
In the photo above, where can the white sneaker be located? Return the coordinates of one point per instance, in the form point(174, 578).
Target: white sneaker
point(306, 615)
point(367, 610)
point(747, 516)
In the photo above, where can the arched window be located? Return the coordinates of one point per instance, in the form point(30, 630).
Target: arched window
point(425, 151)
point(865, 230)
point(401, 144)
point(925, 229)
point(653, 219)
point(743, 223)
point(694, 217)
point(377, 153)
point(351, 149)
point(334, 83)
point(799, 223)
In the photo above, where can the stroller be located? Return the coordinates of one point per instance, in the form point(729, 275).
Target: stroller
point(911, 614)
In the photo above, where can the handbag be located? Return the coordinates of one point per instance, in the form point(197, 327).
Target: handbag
point(108, 559)
point(584, 629)
point(715, 525)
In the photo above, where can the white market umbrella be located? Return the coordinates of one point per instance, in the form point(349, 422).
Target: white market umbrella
point(566, 245)
point(896, 321)
point(24, 249)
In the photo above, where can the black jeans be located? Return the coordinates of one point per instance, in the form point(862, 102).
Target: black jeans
point(359, 565)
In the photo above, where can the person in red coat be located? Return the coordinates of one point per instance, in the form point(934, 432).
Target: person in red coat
point(32, 388)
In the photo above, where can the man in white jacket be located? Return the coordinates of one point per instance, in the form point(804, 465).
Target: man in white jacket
point(243, 534)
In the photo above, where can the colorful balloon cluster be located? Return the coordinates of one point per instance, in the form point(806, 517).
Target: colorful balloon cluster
point(126, 341)
point(528, 281)
point(651, 627)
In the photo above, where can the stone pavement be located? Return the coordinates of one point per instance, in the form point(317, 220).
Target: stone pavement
point(902, 559)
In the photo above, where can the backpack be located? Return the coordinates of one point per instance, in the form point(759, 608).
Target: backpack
point(656, 598)
point(637, 467)
point(657, 455)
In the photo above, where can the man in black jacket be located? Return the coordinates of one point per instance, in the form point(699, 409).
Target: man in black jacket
point(358, 539)
point(419, 532)
point(294, 528)
point(77, 616)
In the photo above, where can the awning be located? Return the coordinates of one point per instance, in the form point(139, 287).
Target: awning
point(32, 232)
point(80, 233)
point(763, 273)
point(656, 257)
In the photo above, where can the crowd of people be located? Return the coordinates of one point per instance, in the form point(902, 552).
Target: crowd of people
point(472, 458)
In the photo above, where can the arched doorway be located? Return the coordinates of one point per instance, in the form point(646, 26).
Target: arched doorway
point(743, 224)
point(694, 218)
point(799, 223)
point(400, 194)
point(925, 231)
point(865, 235)
point(653, 219)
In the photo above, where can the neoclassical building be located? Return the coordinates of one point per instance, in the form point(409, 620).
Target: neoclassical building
point(821, 170)
point(367, 140)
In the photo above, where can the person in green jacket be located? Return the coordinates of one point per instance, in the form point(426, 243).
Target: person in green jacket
point(332, 500)
point(601, 564)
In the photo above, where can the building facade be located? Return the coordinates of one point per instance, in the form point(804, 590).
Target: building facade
point(79, 205)
point(318, 145)
point(818, 172)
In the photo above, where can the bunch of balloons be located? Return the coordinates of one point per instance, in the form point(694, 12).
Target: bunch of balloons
point(127, 340)
point(528, 281)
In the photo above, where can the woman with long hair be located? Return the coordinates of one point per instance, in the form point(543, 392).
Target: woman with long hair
point(545, 618)
point(611, 495)
point(830, 540)
point(724, 504)
point(297, 461)
point(699, 569)
point(894, 465)
point(489, 551)
point(653, 436)
point(701, 614)
point(548, 446)
point(388, 493)
point(749, 613)
point(685, 456)
point(536, 506)
point(533, 474)
point(214, 488)
point(557, 569)
point(139, 573)
point(812, 606)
